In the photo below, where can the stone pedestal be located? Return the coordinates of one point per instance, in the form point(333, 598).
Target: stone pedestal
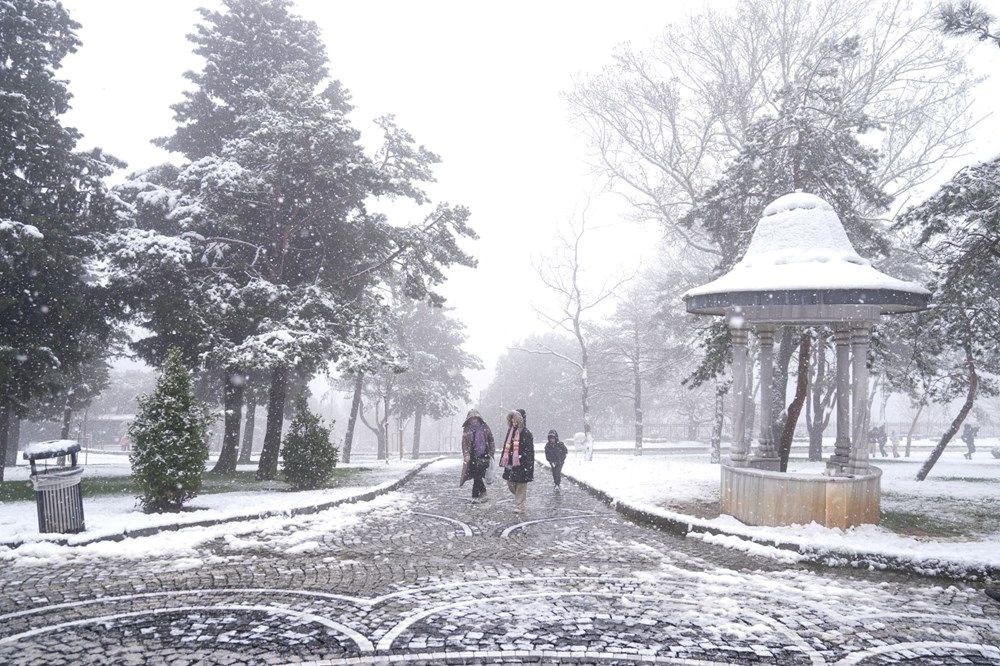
point(759, 497)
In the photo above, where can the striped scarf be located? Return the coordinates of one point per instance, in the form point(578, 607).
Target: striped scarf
point(511, 456)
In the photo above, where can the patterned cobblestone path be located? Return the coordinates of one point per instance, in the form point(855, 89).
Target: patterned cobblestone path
point(424, 576)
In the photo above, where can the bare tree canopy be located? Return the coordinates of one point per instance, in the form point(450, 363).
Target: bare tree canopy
point(663, 121)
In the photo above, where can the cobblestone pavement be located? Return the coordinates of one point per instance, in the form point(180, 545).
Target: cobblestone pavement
point(427, 577)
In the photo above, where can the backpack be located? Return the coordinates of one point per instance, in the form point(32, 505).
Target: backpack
point(479, 442)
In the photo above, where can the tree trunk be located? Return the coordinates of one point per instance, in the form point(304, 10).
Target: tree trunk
point(5, 444)
point(418, 418)
point(267, 468)
point(913, 426)
point(383, 442)
point(232, 403)
point(359, 384)
point(717, 419)
point(13, 438)
point(246, 450)
point(750, 408)
point(588, 437)
point(67, 420)
point(801, 386)
point(786, 349)
point(970, 399)
point(637, 405)
point(821, 393)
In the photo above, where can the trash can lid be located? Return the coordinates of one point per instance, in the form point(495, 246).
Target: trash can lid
point(50, 449)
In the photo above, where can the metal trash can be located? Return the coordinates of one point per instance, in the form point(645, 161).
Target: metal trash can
point(57, 488)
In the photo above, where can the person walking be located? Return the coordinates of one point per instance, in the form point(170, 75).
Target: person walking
point(518, 458)
point(969, 437)
point(555, 453)
point(894, 444)
point(478, 449)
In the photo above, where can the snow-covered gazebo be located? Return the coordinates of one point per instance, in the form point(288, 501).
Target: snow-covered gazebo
point(801, 269)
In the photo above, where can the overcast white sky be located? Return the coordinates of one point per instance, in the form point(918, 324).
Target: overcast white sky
point(477, 83)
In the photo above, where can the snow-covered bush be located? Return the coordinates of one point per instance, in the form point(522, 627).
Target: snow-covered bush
point(169, 440)
point(309, 457)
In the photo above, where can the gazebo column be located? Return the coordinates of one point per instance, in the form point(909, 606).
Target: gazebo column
point(767, 455)
point(738, 448)
point(842, 448)
point(860, 338)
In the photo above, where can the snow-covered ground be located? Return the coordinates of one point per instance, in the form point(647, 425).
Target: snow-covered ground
point(117, 514)
point(953, 516)
point(181, 548)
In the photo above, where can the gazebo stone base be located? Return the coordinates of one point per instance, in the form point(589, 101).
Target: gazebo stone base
point(762, 497)
point(771, 464)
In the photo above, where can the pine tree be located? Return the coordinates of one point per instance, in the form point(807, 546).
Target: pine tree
point(54, 210)
point(274, 200)
point(169, 440)
point(308, 455)
point(966, 17)
point(433, 379)
point(959, 239)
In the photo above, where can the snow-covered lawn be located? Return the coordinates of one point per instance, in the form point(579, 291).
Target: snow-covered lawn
point(180, 550)
point(954, 515)
point(116, 514)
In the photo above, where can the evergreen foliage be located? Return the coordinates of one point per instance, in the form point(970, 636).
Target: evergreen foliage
point(308, 455)
point(169, 440)
point(959, 240)
point(967, 17)
point(265, 231)
point(54, 212)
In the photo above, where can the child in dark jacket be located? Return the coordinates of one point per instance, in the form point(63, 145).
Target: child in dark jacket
point(555, 454)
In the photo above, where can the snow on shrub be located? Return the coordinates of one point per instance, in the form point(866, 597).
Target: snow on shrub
point(169, 441)
point(309, 457)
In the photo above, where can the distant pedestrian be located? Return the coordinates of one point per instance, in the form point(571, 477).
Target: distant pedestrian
point(518, 458)
point(555, 454)
point(894, 444)
point(881, 439)
point(478, 450)
point(969, 437)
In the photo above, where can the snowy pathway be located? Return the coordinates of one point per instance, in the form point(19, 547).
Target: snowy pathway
point(424, 576)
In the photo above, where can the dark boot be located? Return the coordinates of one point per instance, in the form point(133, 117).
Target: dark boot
point(993, 593)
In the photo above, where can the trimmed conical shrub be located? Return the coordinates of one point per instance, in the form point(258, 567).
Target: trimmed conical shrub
point(309, 457)
point(169, 441)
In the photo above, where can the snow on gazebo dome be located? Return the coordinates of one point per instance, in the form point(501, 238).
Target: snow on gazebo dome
point(800, 255)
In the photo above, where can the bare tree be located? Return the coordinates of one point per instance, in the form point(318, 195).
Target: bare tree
point(379, 390)
point(562, 275)
point(637, 348)
point(663, 120)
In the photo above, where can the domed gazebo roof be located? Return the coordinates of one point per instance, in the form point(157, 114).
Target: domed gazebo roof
point(800, 255)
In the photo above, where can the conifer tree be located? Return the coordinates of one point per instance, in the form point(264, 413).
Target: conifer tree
point(274, 201)
point(169, 440)
point(959, 240)
point(54, 210)
point(308, 454)
point(433, 380)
